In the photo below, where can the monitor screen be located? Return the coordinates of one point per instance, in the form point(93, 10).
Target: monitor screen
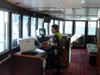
point(42, 32)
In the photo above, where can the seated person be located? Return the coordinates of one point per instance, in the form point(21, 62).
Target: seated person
point(54, 42)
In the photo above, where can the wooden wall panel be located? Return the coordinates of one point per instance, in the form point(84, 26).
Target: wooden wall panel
point(6, 67)
point(98, 54)
point(27, 66)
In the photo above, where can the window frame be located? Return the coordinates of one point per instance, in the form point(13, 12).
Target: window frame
point(50, 24)
point(34, 25)
point(12, 32)
point(27, 28)
point(84, 28)
point(95, 28)
point(71, 28)
point(61, 26)
point(47, 24)
point(7, 26)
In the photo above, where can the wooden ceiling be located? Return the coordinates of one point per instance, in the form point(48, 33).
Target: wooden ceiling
point(68, 9)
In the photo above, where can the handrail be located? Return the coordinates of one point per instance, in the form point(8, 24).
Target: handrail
point(44, 57)
point(44, 62)
point(5, 59)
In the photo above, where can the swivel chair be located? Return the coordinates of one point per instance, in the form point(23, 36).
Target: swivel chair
point(58, 58)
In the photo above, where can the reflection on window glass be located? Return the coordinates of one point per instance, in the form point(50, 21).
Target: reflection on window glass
point(68, 27)
point(39, 25)
point(3, 31)
point(25, 26)
point(56, 22)
point(15, 29)
point(61, 27)
point(33, 23)
point(46, 28)
point(51, 23)
point(80, 28)
point(91, 28)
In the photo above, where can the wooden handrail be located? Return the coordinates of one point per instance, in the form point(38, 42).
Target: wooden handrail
point(5, 59)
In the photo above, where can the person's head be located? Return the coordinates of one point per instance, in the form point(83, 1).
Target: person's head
point(55, 28)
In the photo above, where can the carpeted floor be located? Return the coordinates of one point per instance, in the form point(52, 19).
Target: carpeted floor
point(79, 65)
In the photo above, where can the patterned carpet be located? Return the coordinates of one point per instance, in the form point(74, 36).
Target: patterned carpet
point(79, 65)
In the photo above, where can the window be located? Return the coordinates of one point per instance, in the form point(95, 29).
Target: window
point(80, 28)
point(39, 25)
point(3, 31)
point(25, 26)
point(91, 28)
point(51, 23)
point(56, 22)
point(33, 23)
point(68, 27)
point(61, 27)
point(15, 29)
point(46, 27)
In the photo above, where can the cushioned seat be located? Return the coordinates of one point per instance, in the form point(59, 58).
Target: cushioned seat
point(92, 48)
point(92, 53)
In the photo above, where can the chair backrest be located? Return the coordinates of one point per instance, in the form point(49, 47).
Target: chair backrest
point(63, 45)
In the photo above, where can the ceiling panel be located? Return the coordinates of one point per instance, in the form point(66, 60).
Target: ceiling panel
point(69, 9)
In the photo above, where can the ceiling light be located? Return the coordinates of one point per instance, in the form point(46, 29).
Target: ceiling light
point(82, 1)
point(94, 18)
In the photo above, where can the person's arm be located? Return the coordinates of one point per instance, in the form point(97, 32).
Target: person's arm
point(55, 41)
point(54, 44)
point(48, 42)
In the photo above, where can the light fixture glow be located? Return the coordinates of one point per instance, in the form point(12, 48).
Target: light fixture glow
point(82, 1)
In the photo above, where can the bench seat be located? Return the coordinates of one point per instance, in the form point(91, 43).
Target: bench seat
point(92, 53)
point(92, 49)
